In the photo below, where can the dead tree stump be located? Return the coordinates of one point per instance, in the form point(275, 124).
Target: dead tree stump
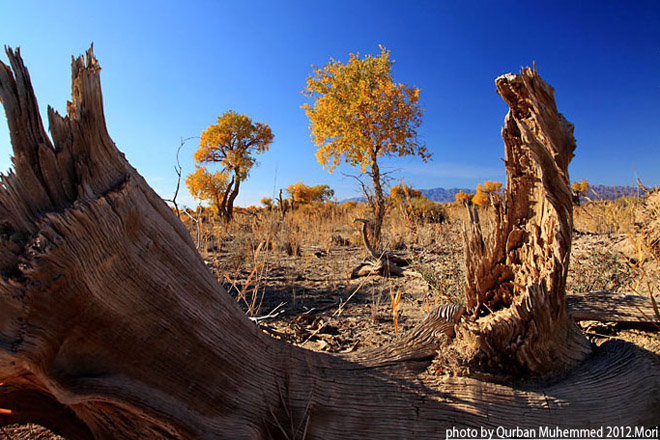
point(516, 277)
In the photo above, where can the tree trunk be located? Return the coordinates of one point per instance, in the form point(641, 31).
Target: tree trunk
point(111, 326)
point(223, 212)
point(229, 206)
point(283, 206)
point(379, 203)
point(519, 270)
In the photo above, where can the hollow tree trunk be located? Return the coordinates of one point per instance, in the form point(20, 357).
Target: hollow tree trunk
point(112, 327)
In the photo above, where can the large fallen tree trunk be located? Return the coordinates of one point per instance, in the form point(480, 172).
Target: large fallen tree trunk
point(630, 310)
point(111, 326)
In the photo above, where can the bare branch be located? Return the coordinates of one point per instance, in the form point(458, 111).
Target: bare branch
point(177, 170)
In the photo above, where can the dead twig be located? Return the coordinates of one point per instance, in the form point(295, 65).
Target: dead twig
point(177, 170)
point(272, 314)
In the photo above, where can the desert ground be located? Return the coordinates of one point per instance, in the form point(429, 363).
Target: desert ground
point(292, 273)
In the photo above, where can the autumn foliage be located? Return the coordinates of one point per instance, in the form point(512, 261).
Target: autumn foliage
point(301, 193)
point(580, 189)
point(231, 143)
point(413, 205)
point(204, 185)
point(360, 114)
point(487, 193)
point(402, 192)
point(463, 198)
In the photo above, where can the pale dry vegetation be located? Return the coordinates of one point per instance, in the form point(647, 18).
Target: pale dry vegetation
point(291, 272)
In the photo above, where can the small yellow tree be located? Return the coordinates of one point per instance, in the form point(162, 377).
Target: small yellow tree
point(580, 189)
point(267, 202)
point(463, 198)
point(232, 143)
point(399, 193)
point(414, 205)
point(321, 193)
point(298, 192)
point(488, 193)
point(211, 187)
point(360, 114)
point(301, 193)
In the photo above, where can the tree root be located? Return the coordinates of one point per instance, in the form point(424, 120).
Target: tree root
point(378, 263)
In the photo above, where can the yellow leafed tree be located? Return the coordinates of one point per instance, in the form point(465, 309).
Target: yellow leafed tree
point(204, 185)
point(232, 143)
point(580, 189)
point(359, 115)
point(301, 193)
point(401, 192)
point(487, 193)
point(463, 198)
point(413, 204)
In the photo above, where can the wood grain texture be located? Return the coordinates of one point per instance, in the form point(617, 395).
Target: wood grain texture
point(612, 307)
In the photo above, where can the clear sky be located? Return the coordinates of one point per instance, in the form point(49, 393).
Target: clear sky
point(171, 67)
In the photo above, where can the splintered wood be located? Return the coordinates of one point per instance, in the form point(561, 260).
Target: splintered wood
point(516, 276)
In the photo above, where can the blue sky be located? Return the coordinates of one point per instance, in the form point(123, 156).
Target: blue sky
point(171, 67)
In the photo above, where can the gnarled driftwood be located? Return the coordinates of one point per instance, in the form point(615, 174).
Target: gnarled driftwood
point(516, 277)
point(377, 263)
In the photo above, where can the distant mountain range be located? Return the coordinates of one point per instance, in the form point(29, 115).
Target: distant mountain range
point(596, 192)
point(442, 195)
point(605, 192)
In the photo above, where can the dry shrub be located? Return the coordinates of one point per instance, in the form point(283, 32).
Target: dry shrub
point(648, 224)
point(647, 235)
point(441, 264)
point(606, 216)
point(601, 269)
point(395, 301)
